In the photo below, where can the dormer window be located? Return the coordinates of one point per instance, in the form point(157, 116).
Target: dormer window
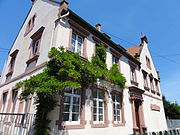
point(76, 44)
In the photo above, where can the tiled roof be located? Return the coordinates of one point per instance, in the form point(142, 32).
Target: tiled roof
point(135, 50)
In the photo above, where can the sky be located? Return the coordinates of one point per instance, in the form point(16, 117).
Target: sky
point(123, 20)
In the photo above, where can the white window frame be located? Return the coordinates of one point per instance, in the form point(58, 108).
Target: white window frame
point(76, 43)
point(133, 74)
point(116, 103)
point(97, 100)
point(114, 58)
point(36, 45)
point(72, 95)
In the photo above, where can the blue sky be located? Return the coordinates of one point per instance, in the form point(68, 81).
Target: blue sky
point(158, 19)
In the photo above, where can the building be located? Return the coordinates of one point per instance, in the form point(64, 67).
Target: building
point(49, 23)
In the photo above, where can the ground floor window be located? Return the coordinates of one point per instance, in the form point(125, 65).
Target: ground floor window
point(116, 108)
point(72, 104)
point(98, 106)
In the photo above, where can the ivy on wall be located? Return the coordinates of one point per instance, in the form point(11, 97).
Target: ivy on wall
point(65, 69)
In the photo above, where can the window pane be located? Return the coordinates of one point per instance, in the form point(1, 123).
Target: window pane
point(100, 110)
point(118, 106)
point(80, 40)
point(100, 117)
point(94, 110)
point(66, 117)
point(101, 95)
point(100, 104)
point(94, 94)
point(118, 118)
point(76, 109)
point(68, 90)
point(114, 117)
point(67, 99)
point(94, 103)
point(66, 108)
point(118, 99)
point(77, 91)
point(95, 117)
point(75, 117)
point(76, 100)
point(74, 36)
point(73, 42)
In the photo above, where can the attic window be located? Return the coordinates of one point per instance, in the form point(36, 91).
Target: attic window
point(30, 25)
point(148, 63)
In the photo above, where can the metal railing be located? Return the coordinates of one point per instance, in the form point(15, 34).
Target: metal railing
point(169, 132)
point(16, 124)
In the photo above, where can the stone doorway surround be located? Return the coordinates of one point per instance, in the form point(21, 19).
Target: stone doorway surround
point(136, 100)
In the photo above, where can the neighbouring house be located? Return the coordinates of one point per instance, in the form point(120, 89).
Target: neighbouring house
point(136, 109)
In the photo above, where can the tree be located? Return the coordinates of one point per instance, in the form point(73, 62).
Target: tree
point(65, 69)
point(172, 110)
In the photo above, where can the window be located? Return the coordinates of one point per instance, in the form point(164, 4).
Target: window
point(145, 80)
point(98, 106)
point(115, 60)
point(133, 74)
point(116, 108)
point(11, 64)
point(76, 44)
point(157, 86)
point(30, 25)
point(151, 83)
point(14, 95)
point(72, 104)
point(35, 47)
point(148, 63)
point(5, 97)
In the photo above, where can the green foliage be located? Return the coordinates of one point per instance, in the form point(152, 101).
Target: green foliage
point(172, 110)
point(65, 69)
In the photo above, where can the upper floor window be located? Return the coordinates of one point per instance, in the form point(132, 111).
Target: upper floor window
point(76, 44)
point(116, 108)
point(14, 95)
point(148, 63)
point(145, 78)
point(98, 106)
point(5, 97)
point(115, 60)
point(151, 83)
point(30, 25)
point(11, 64)
point(34, 48)
point(157, 86)
point(72, 104)
point(133, 74)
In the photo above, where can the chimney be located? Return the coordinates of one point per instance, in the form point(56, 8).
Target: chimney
point(158, 75)
point(143, 38)
point(63, 7)
point(98, 27)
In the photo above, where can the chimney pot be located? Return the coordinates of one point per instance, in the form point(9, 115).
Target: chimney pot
point(98, 27)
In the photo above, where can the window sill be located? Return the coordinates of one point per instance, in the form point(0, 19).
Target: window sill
point(69, 127)
point(118, 124)
point(103, 125)
point(158, 93)
point(9, 73)
point(32, 59)
point(153, 91)
point(146, 88)
point(135, 83)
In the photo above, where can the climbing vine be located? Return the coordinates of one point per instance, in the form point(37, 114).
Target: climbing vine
point(65, 69)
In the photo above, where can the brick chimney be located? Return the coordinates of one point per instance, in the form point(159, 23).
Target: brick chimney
point(63, 7)
point(98, 27)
